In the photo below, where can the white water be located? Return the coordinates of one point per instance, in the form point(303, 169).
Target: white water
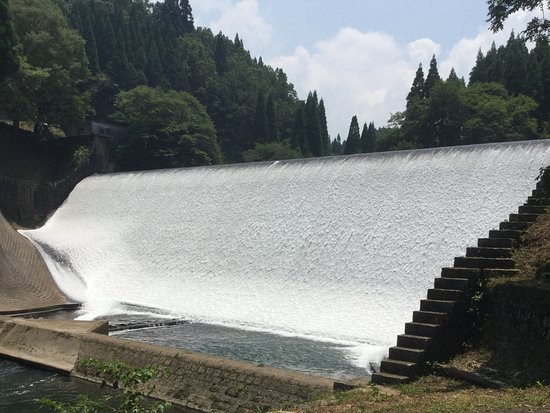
point(338, 249)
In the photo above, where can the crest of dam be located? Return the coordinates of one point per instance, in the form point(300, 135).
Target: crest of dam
point(335, 249)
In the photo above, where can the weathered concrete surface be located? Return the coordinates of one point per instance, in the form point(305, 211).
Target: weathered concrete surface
point(202, 382)
point(53, 344)
point(25, 281)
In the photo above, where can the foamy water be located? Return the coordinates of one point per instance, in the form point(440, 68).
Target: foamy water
point(337, 249)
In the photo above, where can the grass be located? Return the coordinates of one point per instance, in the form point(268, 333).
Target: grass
point(533, 258)
point(434, 394)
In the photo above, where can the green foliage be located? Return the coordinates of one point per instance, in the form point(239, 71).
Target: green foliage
point(46, 88)
point(81, 156)
point(8, 43)
point(134, 383)
point(166, 129)
point(368, 138)
point(271, 151)
point(353, 142)
point(500, 10)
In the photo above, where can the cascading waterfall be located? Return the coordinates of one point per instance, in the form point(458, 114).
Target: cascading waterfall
point(338, 249)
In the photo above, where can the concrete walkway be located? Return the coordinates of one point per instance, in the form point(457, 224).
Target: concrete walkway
point(26, 284)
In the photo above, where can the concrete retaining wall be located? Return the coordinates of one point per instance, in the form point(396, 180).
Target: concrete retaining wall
point(204, 382)
point(25, 281)
point(198, 381)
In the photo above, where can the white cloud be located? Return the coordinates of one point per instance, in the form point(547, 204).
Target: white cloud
point(369, 74)
point(242, 17)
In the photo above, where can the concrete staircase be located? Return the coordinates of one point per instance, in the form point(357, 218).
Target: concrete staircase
point(435, 331)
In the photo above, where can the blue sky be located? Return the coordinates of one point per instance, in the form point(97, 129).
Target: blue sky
point(359, 55)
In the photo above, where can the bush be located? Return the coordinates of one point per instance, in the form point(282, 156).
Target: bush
point(135, 384)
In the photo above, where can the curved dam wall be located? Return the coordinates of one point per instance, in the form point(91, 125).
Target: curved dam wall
point(25, 281)
point(335, 249)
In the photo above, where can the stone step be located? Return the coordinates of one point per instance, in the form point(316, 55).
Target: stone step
point(532, 209)
point(500, 272)
point(414, 355)
point(431, 317)
point(539, 193)
point(399, 367)
point(422, 329)
point(488, 252)
point(515, 226)
point(456, 272)
point(538, 201)
point(386, 378)
point(523, 217)
point(445, 294)
point(540, 185)
point(444, 306)
point(412, 341)
point(496, 242)
point(452, 283)
point(496, 233)
point(477, 262)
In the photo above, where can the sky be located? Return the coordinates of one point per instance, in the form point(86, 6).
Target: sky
point(360, 55)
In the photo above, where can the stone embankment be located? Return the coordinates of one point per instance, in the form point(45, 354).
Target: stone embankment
point(26, 284)
point(202, 382)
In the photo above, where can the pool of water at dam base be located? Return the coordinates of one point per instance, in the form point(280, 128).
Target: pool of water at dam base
point(335, 360)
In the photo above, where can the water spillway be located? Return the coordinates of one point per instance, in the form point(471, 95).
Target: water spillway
point(337, 249)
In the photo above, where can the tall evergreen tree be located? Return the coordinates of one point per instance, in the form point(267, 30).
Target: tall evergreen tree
point(271, 114)
point(91, 47)
point(325, 137)
point(479, 71)
point(313, 130)
point(494, 64)
point(516, 61)
point(371, 139)
point(337, 148)
point(299, 138)
point(155, 74)
point(261, 128)
point(364, 137)
point(432, 78)
point(353, 142)
point(8, 42)
point(220, 54)
point(417, 88)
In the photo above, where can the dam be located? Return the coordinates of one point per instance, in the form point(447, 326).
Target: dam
point(337, 250)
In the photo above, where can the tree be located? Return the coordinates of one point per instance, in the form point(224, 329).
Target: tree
point(166, 129)
point(516, 61)
point(311, 120)
point(220, 53)
point(271, 114)
point(432, 78)
point(479, 71)
point(260, 128)
point(368, 138)
point(325, 137)
point(445, 113)
point(492, 115)
point(299, 138)
point(417, 88)
point(337, 148)
point(47, 88)
point(271, 151)
point(500, 10)
point(353, 142)
point(8, 43)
